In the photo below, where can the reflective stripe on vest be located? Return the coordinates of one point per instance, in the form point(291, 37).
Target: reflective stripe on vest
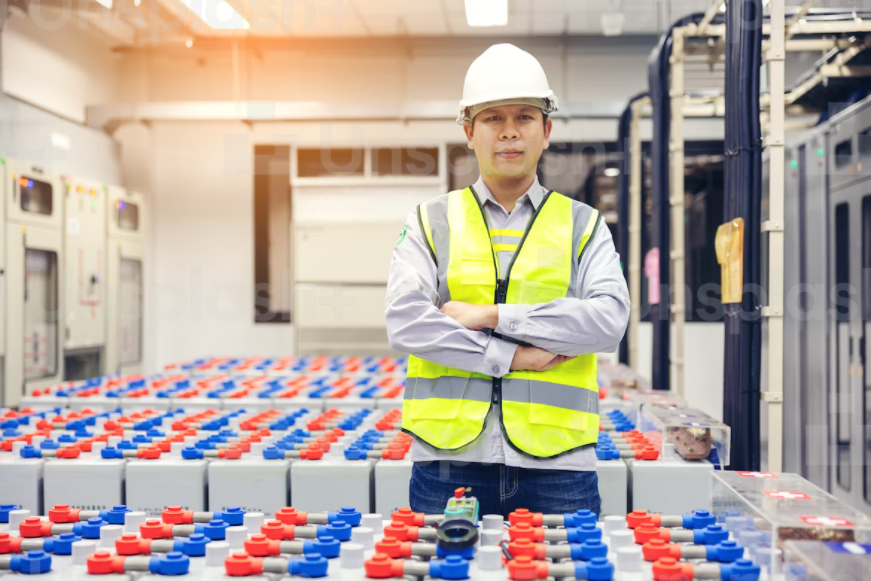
point(544, 414)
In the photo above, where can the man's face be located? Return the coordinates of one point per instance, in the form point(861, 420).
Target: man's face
point(508, 140)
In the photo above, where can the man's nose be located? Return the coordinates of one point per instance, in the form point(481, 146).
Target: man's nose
point(509, 130)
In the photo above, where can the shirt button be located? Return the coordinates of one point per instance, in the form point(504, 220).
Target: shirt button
point(495, 369)
point(513, 326)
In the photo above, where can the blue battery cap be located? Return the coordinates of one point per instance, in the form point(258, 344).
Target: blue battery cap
point(115, 515)
point(325, 546)
point(347, 514)
point(233, 516)
point(216, 530)
point(338, 530)
point(597, 569)
point(725, 552)
point(60, 545)
point(311, 565)
point(740, 570)
point(31, 563)
point(586, 532)
point(588, 550)
point(5, 509)
point(49, 445)
point(466, 553)
point(580, 517)
point(273, 453)
point(191, 453)
point(89, 529)
point(451, 567)
point(710, 535)
point(110, 452)
point(699, 519)
point(174, 563)
point(193, 546)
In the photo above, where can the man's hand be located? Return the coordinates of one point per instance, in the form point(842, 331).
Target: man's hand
point(473, 317)
point(535, 359)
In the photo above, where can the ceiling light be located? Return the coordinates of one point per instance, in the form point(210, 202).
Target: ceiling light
point(217, 13)
point(189, 42)
point(487, 12)
point(612, 172)
point(106, 3)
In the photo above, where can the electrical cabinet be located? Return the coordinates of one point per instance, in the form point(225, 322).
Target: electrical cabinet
point(125, 223)
point(34, 272)
point(84, 277)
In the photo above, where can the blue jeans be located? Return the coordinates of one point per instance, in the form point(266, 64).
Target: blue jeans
point(502, 489)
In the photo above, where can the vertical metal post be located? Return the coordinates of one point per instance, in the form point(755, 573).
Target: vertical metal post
point(773, 312)
point(635, 229)
point(676, 200)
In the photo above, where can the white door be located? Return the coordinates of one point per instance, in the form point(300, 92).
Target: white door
point(125, 307)
point(34, 308)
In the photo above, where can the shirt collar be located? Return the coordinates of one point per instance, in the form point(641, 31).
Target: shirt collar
point(535, 193)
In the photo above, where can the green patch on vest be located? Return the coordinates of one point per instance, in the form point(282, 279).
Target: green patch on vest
point(402, 236)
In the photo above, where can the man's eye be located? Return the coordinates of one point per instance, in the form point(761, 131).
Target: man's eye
point(526, 117)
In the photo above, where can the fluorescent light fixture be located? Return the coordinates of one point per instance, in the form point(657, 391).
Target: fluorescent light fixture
point(217, 14)
point(612, 172)
point(487, 12)
point(106, 3)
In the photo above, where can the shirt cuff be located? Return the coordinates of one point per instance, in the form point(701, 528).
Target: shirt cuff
point(498, 357)
point(512, 321)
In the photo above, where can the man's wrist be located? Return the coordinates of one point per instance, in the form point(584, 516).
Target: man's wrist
point(492, 316)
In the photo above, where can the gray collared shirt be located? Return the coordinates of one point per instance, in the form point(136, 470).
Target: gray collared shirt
point(591, 319)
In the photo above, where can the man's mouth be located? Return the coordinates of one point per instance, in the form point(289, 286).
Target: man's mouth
point(511, 154)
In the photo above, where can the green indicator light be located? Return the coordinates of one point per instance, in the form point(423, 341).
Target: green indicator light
point(820, 152)
point(794, 164)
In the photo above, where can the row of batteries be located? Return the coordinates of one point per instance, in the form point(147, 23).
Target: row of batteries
point(143, 435)
point(347, 545)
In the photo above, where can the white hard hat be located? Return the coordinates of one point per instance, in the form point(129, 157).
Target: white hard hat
point(504, 75)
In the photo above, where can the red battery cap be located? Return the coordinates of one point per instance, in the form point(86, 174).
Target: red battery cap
point(104, 563)
point(33, 527)
point(382, 566)
point(261, 546)
point(658, 549)
point(525, 568)
point(525, 531)
point(647, 532)
point(62, 513)
point(669, 569)
point(131, 544)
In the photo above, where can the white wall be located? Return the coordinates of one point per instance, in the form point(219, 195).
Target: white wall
point(57, 65)
point(703, 363)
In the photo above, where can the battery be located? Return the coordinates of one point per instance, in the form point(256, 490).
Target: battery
point(255, 484)
point(687, 483)
point(613, 490)
point(392, 479)
point(84, 482)
point(318, 485)
point(152, 485)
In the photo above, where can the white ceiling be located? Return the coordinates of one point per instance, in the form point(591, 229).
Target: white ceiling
point(448, 17)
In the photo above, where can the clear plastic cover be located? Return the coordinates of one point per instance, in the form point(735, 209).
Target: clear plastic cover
point(765, 510)
point(692, 433)
point(827, 561)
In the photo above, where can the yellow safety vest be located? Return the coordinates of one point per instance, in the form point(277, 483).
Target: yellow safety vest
point(543, 413)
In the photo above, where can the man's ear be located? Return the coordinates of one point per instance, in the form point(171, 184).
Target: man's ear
point(548, 127)
point(469, 131)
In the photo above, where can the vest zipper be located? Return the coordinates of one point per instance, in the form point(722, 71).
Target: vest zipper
point(502, 283)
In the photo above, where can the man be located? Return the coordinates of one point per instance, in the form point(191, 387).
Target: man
point(502, 294)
